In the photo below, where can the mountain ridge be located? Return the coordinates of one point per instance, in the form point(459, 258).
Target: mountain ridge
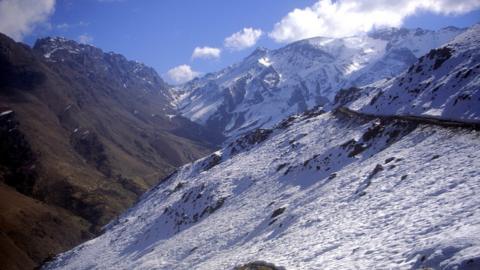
point(269, 85)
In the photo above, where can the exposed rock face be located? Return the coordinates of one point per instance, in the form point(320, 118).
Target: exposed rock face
point(92, 150)
point(84, 133)
point(17, 160)
point(259, 265)
point(345, 96)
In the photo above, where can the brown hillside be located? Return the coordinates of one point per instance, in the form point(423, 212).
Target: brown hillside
point(83, 134)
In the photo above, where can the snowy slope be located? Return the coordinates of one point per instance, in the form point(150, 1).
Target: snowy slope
point(443, 84)
point(321, 191)
point(268, 86)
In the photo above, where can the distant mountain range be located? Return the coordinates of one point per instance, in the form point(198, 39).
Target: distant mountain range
point(270, 85)
point(384, 177)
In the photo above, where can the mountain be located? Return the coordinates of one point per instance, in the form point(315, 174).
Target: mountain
point(268, 86)
point(83, 134)
point(349, 188)
point(444, 85)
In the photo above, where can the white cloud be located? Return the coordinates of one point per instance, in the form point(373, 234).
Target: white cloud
point(181, 74)
point(19, 18)
point(349, 17)
point(85, 39)
point(206, 52)
point(246, 38)
point(66, 26)
point(63, 26)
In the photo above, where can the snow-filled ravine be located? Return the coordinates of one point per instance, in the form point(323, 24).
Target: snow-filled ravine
point(320, 191)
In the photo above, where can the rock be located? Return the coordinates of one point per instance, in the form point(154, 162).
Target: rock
point(278, 212)
point(258, 265)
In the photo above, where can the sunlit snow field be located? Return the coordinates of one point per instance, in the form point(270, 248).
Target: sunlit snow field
point(421, 209)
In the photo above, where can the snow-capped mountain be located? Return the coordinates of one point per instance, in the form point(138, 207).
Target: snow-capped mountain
point(268, 86)
point(320, 190)
point(443, 84)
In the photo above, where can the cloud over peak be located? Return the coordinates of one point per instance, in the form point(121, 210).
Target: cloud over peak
point(19, 18)
point(206, 52)
point(181, 74)
point(349, 17)
point(243, 39)
point(85, 39)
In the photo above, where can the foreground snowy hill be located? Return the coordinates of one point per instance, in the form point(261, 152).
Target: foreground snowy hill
point(270, 85)
point(327, 192)
point(321, 190)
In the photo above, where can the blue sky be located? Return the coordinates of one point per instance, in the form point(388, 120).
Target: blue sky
point(164, 34)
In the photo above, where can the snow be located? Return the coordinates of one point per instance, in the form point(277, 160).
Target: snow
point(60, 44)
point(265, 61)
point(352, 67)
point(447, 89)
point(422, 202)
point(6, 112)
point(200, 112)
point(368, 50)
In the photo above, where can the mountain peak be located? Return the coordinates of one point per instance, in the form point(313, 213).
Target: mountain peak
point(452, 28)
point(49, 47)
point(258, 53)
point(97, 63)
point(260, 50)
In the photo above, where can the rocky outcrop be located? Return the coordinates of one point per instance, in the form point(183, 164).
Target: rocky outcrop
point(259, 265)
point(17, 159)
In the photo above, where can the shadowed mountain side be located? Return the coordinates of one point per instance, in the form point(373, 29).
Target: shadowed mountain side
point(84, 133)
